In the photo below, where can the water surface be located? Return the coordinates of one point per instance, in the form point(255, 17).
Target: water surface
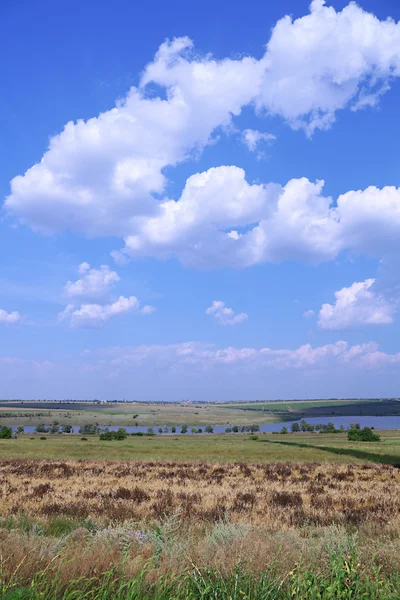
point(383, 423)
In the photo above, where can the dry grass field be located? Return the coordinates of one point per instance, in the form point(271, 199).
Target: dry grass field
point(215, 529)
point(274, 495)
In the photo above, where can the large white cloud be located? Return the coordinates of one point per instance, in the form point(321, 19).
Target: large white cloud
point(356, 305)
point(225, 315)
point(99, 176)
point(221, 219)
point(102, 176)
point(200, 227)
point(328, 60)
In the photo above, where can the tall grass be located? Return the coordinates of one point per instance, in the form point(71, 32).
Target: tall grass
point(343, 582)
point(223, 561)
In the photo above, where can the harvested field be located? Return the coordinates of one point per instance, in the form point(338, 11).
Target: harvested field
point(276, 495)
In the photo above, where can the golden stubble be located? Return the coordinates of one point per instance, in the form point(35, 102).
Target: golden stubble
point(274, 495)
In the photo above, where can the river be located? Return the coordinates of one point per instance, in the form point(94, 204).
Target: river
point(382, 423)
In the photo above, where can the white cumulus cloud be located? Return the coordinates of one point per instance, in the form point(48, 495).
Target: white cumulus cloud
point(94, 283)
point(224, 315)
point(356, 305)
point(326, 61)
point(256, 223)
point(104, 176)
point(9, 317)
point(96, 315)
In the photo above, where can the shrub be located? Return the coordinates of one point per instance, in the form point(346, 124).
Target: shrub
point(363, 435)
point(83, 439)
point(41, 429)
point(89, 429)
point(138, 433)
point(114, 435)
point(43, 438)
point(5, 433)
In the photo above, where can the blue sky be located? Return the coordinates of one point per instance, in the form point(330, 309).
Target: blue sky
point(164, 234)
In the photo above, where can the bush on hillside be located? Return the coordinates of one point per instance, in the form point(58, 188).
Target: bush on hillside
point(363, 435)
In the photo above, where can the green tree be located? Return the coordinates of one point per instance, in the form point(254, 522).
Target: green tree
point(173, 429)
point(295, 427)
point(284, 429)
point(184, 429)
point(5, 433)
point(108, 436)
point(41, 429)
point(209, 429)
point(121, 434)
point(20, 429)
point(89, 429)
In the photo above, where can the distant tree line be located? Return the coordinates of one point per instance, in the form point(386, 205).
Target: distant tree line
point(354, 433)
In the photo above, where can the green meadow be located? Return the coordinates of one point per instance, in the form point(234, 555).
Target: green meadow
point(263, 447)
